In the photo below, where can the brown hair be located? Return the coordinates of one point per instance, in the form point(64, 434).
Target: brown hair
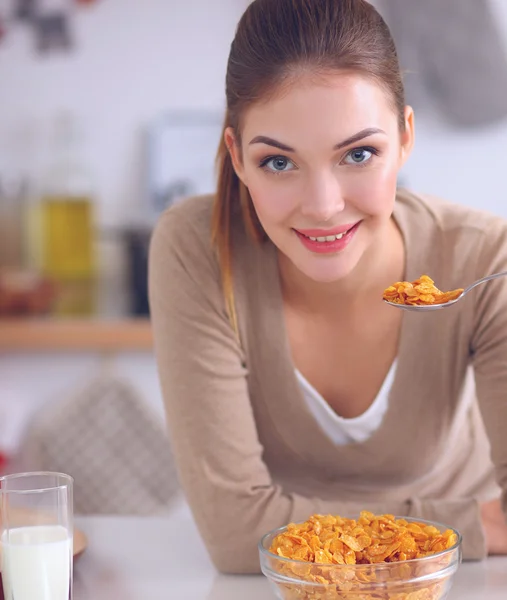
point(276, 40)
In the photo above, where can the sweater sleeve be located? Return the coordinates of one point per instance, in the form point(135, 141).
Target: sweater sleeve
point(489, 347)
point(219, 457)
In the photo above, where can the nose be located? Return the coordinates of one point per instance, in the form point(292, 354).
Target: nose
point(323, 198)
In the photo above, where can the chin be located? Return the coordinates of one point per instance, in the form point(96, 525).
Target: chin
point(335, 270)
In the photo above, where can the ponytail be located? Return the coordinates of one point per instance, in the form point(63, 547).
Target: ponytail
point(230, 193)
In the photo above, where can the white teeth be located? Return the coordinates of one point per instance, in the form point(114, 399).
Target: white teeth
point(327, 238)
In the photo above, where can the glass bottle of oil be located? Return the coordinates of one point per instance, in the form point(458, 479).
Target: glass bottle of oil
point(67, 222)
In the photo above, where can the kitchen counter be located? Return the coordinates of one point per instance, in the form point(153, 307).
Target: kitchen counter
point(136, 558)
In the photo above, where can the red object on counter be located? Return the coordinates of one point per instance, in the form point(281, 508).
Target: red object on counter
point(25, 293)
point(3, 462)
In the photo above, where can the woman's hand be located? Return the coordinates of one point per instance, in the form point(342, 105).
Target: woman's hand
point(495, 527)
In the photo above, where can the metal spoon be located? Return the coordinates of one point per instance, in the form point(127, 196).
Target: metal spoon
point(426, 307)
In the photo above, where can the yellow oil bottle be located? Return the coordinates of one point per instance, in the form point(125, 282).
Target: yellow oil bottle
point(67, 222)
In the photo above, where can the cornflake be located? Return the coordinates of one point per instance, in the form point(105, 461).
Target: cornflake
point(422, 291)
point(342, 557)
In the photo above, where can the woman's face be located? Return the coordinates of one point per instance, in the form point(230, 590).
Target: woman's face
point(321, 163)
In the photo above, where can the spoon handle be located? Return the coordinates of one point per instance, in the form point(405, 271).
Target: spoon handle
point(484, 279)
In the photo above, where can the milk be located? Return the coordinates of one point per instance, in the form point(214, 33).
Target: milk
point(36, 563)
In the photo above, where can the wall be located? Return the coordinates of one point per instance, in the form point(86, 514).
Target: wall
point(465, 166)
point(134, 59)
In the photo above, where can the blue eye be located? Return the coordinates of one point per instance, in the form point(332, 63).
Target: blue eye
point(277, 164)
point(360, 156)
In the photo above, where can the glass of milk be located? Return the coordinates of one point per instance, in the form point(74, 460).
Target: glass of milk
point(36, 511)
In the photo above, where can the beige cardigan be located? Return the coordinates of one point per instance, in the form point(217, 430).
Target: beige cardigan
point(251, 457)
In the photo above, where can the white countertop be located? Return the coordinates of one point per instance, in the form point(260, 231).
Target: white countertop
point(131, 558)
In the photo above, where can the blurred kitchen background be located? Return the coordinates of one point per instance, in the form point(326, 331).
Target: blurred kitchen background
point(111, 110)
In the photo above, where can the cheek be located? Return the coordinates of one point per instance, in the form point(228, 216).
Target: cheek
point(274, 200)
point(373, 192)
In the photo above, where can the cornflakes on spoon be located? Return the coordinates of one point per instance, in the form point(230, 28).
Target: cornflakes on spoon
point(421, 292)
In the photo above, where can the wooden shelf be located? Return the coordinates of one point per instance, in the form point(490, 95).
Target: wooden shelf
point(102, 335)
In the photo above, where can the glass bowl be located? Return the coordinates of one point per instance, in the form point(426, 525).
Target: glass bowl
point(427, 578)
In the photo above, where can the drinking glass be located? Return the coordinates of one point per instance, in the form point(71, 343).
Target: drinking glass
point(36, 511)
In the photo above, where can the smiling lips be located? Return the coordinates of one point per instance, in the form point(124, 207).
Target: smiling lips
point(326, 241)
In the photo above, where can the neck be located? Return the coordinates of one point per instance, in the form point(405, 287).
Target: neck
point(383, 263)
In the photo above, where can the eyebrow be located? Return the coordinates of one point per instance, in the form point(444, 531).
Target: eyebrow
point(262, 139)
point(360, 135)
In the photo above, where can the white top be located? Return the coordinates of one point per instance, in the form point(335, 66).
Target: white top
point(343, 431)
point(146, 557)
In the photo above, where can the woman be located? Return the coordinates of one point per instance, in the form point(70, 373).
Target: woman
point(290, 387)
